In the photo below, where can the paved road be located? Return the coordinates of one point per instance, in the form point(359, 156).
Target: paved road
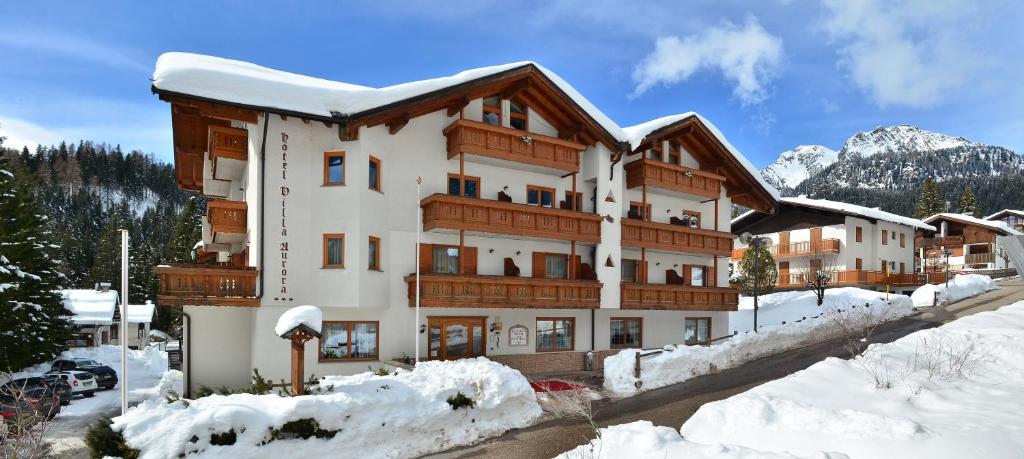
point(673, 405)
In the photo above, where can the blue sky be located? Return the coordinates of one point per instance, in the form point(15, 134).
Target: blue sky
point(771, 75)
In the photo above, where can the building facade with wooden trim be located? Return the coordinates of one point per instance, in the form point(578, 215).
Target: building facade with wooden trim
point(973, 243)
point(531, 246)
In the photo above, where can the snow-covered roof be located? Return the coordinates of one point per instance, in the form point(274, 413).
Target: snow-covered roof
point(994, 225)
point(847, 209)
point(90, 307)
point(1019, 213)
point(140, 313)
point(307, 315)
point(637, 133)
point(245, 83)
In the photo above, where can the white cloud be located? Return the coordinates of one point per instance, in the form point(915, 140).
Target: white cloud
point(747, 55)
point(73, 46)
point(903, 53)
point(20, 133)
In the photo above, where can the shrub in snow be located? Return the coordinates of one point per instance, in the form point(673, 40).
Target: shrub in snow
point(366, 416)
point(103, 441)
point(960, 287)
point(460, 400)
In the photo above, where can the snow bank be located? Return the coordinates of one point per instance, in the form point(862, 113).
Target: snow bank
point(310, 316)
point(789, 307)
point(401, 415)
point(680, 363)
point(960, 287)
point(951, 392)
point(644, 439)
point(148, 363)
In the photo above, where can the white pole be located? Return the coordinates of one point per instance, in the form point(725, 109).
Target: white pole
point(419, 229)
point(123, 329)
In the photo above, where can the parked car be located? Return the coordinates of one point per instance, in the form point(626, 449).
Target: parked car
point(61, 387)
point(25, 407)
point(82, 382)
point(106, 377)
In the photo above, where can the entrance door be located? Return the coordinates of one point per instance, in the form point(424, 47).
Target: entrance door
point(783, 272)
point(457, 337)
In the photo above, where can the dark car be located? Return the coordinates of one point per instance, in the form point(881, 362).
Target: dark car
point(59, 386)
point(106, 377)
point(24, 408)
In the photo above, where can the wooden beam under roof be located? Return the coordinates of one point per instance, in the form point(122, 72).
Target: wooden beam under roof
point(397, 124)
point(457, 105)
point(215, 110)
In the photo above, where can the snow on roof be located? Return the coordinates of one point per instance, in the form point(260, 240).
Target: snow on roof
point(637, 133)
point(1019, 213)
point(307, 315)
point(241, 82)
point(848, 209)
point(90, 307)
point(994, 225)
point(140, 313)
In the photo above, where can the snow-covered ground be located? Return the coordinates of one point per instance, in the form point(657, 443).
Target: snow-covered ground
point(402, 415)
point(951, 392)
point(960, 287)
point(788, 307)
point(850, 308)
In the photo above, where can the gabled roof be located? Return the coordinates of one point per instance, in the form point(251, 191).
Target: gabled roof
point(89, 306)
point(805, 207)
point(1004, 213)
point(997, 226)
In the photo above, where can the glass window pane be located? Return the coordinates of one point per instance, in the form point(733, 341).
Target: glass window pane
point(547, 199)
point(446, 260)
point(517, 123)
point(334, 251)
point(617, 333)
point(333, 340)
point(563, 335)
point(455, 340)
point(697, 276)
point(633, 333)
point(478, 340)
point(690, 332)
point(493, 101)
point(555, 266)
point(532, 197)
point(628, 271)
point(471, 188)
point(517, 107)
point(374, 183)
point(335, 169)
point(372, 254)
point(364, 340)
point(453, 186)
point(545, 335)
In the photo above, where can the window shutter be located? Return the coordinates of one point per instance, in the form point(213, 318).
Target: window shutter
point(576, 267)
point(687, 274)
point(710, 276)
point(469, 262)
point(641, 274)
point(426, 258)
point(538, 264)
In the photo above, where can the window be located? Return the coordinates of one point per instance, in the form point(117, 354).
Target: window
point(517, 115)
point(555, 334)
point(492, 110)
point(634, 211)
point(472, 186)
point(334, 168)
point(578, 205)
point(697, 276)
point(885, 237)
point(859, 264)
point(373, 253)
point(540, 196)
point(374, 174)
point(629, 271)
point(626, 332)
point(348, 341)
point(903, 267)
point(903, 240)
point(697, 330)
point(860, 234)
point(885, 267)
point(691, 218)
point(334, 250)
point(673, 155)
point(555, 266)
point(446, 259)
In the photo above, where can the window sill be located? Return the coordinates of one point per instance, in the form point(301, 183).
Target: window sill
point(377, 270)
point(379, 191)
point(332, 185)
point(352, 359)
point(548, 351)
point(333, 267)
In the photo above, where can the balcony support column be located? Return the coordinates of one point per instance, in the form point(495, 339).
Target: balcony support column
point(572, 245)
point(462, 192)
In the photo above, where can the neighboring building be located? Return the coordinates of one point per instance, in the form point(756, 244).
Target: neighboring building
point(973, 243)
point(529, 255)
point(858, 246)
point(96, 317)
point(1013, 218)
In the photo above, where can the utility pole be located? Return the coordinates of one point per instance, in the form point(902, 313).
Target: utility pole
point(123, 329)
point(419, 229)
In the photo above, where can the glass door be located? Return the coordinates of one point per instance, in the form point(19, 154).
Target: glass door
point(456, 337)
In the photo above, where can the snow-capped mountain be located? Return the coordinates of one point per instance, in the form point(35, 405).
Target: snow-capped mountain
point(796, 165)
point(901, 138)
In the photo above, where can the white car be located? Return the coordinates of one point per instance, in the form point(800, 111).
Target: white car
point(81, 382)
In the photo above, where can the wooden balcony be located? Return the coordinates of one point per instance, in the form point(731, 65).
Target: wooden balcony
point(673, 178)
point(482, 139)
point(442, 211)
point(228, 150)
point(853, 278)
point(642, 234)
point(678, 297)
point(227, 220)
point(948, 241)
point(797, 249)
point(206, 285)
point(471, 291)
point(979, 258)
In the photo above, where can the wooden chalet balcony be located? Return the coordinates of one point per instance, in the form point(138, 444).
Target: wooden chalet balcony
point(978, 258)
point(670, 177)
point(482, 139)
point(228, 150)
point(227, 220)
point(853, 278)
point(674, 238)
point(442, 211)
point(206, 285)
point(462, 291)
point(798, 249)
point(948, 241)
point(679, 297)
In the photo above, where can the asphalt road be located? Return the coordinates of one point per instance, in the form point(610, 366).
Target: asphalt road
point(673, 405)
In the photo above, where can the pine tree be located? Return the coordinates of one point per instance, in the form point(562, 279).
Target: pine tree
point(929, 201)
point(968, 204)
point(107, 264)
point(34, 326)
point(187, 232)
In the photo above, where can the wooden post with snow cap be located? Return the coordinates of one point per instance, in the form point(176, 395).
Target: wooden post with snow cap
point(298, 325)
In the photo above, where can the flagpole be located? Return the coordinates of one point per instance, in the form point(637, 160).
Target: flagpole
point(419, 229)
point(123, 329)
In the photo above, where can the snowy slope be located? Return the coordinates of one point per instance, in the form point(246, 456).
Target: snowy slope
point(794, 166)
point(901, 138)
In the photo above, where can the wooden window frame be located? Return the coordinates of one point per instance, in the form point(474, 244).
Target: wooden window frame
point(536, 339)
point(564, 256)
point(380, 173)
point(376, 256)
point(433, 268)
point(858, 264)
point(462, 186)
point(646, 216)
point(710, 323)
point(700, 217)
point(525, 116)
point(859, 234)
point(885, 237)
point(637, 275)
point(344, 167)
point(903, 240)
point(348, 329)
point(578, 203)
point(485, 109)
point(540, 192)
point(326, 237)
point(640, 341)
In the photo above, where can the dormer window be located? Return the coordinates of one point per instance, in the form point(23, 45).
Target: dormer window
point(517, 115)
point(673, 155)
point(492, 110)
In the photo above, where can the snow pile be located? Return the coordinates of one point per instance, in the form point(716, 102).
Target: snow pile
point(148, 363)
point(680, 363)
point(366, 415)
point(951, 392)
point(789, 307)
point(644, 439)
point(310, 316)
point(960, 287)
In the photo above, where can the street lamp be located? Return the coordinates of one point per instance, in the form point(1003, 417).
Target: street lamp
point(755, 242)
point(946, 253)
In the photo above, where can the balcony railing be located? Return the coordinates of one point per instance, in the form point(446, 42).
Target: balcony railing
point(206, 285)
point(459, 291)
point(678, 297)
point(947, 241)
point(853, 277)
point(659, 174)
point(798, 249)
point(979, 258)
point(226, 216)
point(228, 143)
point(482, 139)
point(442, 211)
point(674, 238)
